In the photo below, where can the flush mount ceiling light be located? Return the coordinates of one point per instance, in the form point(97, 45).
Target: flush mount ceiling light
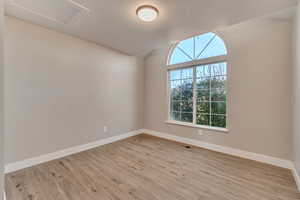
point(147, 13)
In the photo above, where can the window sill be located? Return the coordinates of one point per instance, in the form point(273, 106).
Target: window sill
point(224, 130)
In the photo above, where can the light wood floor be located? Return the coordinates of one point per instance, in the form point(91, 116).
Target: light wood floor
point(149, 168)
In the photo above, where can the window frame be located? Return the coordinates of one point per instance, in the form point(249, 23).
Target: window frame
point(193, 64)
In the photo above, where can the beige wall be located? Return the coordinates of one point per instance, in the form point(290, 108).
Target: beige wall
point(1, 99)
point(296, 92)
point(60, 91)
point(259, 90)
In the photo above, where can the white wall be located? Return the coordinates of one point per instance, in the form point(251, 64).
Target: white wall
point(259, 90)
point(60, 91)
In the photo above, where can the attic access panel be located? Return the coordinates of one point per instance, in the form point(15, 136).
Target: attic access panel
point(60, 11)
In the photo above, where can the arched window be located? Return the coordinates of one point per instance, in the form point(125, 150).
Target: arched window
point(196, 48)
point(197, 80)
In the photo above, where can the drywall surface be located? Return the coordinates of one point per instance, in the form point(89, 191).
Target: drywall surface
point(259, 90)
point(1, 100)
point(61, 91)
point(296, 91)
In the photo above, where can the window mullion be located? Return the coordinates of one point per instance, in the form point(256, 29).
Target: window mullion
point(194, 39)
point(194, 95)
point(210, 97)
point(180, 105)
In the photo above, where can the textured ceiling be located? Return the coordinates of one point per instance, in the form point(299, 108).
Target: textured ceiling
point(113, 23)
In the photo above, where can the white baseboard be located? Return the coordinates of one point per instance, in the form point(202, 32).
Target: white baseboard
point(296, 177)
point(11, 167)
point(227, 150)
point(231, 151)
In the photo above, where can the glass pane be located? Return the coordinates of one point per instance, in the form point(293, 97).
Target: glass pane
point(218, 69)
point(203, 83)
point(175, 106)
point(218, 108)
point(187, 117)
point(175, 84)
point(202, 41)
point(203, 119)
point(215, 48)
point(203, 71)
point(218, 82)
point(218, 95)
point(187, 89)
point(186, 106)
point(187, 73)
point(203, 107)
point(175, 116)
point(211, 94)
point(203, 95)
point(176, 90)
point(187, 46)
point(218, 121)
point(178, 57)
point(175, 75)
point(199, 47)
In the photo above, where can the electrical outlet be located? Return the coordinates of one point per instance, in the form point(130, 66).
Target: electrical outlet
point(200, 132)
point(105, 129)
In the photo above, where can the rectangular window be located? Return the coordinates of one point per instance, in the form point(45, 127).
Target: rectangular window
point(198, 95)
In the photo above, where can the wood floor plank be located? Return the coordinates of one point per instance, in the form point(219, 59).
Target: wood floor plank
point(149, 168)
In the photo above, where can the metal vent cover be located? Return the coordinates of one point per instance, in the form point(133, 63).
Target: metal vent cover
point(60, 11)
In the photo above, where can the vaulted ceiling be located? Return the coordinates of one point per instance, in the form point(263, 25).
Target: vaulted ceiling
point(113, 23)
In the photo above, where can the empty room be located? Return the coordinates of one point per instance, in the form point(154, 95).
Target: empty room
point(149, 100)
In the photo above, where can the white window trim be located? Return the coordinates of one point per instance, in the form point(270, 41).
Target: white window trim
point(211, 60)
point(205, 61)
point(173, 122)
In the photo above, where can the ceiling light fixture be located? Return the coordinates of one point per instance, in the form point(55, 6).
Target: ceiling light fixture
point(147, 13)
